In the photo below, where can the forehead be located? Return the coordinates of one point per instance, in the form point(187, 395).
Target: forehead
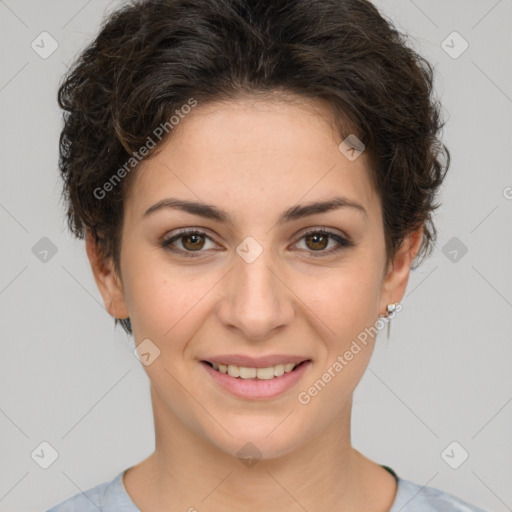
point(254, 153)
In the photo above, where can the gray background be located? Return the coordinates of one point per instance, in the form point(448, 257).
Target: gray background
point(68, 378)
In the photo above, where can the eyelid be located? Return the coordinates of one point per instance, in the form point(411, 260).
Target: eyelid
point(167, 240)
point(341, 239)
point(323, 229)
point(343, 242)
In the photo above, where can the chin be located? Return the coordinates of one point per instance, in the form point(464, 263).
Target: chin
point(257, 438)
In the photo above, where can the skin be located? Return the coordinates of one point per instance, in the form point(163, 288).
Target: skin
point(254, 158)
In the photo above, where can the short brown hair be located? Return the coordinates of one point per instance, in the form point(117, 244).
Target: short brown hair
point(151, 57)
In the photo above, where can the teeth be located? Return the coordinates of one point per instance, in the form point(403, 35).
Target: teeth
point(247, 373)
point(233, 370)
point(251, 373)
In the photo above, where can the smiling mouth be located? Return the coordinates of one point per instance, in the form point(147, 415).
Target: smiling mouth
point(243, 372)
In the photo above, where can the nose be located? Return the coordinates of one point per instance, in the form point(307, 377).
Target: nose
point(256, 300)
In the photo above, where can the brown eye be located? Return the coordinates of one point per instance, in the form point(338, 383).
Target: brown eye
point(317, 241)
point(188, 242)
point(192, 242)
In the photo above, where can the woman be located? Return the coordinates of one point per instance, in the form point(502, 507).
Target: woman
point(254, 181)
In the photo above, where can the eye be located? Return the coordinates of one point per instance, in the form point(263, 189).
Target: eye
point(194, 241)
point(317, 240)
point(190, 240)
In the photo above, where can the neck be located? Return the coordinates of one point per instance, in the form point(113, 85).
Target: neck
point(186, 472)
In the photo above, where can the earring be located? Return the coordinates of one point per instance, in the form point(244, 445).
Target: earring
point(390, 308)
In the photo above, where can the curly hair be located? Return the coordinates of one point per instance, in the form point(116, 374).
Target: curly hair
point(151, 57)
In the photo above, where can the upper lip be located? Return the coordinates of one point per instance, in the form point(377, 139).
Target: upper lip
point(255, 362)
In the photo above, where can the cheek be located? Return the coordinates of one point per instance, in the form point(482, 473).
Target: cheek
point(347, 302)
point(163, 301)
point(346, 298)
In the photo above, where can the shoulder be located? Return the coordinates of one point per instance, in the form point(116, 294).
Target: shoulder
point(412, 497)
point(107, 497)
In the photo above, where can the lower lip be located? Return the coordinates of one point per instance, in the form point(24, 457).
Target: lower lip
point(257, 389)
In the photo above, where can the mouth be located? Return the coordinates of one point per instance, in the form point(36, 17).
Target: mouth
point(256, 383)
point(245, 372)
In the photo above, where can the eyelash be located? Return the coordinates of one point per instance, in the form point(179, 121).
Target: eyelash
point(343, 242)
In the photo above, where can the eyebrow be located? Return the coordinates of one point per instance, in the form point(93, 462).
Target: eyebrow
point(294, 213)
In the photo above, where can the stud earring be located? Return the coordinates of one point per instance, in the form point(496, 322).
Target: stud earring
point(390, 308)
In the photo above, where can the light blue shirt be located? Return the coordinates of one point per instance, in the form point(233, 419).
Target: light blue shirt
point(410, 497)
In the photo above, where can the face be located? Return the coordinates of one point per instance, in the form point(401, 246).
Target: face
point(254, 279)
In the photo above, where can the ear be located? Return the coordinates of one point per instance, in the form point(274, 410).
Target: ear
point(397, 277)
point(107, 280)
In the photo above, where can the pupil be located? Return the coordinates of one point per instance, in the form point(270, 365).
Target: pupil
point(316, 237)
point(194, 242)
